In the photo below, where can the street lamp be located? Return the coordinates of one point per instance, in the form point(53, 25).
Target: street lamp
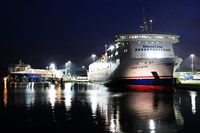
point(83, 67)
point(52, 66)
point(192, 65)
point(151, 21)
point(93, 57)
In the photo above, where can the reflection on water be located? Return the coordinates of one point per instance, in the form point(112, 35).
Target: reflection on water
point(193, 101)
point(93, 108)
point(5, 93)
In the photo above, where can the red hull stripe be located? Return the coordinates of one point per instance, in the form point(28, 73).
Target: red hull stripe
point(135, 77)
point(150, 88)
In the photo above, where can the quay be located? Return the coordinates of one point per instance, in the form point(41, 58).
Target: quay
point(188, 80)
point(23, 73)
point(193, 85)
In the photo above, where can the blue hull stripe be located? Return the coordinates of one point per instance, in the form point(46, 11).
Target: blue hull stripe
point(145, 81)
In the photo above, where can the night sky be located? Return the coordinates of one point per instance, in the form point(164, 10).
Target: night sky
point(43, 31)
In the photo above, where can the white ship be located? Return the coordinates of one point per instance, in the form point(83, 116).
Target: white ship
point(23, 72)
point(139, 61)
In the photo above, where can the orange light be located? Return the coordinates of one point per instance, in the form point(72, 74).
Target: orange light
point(5, 78)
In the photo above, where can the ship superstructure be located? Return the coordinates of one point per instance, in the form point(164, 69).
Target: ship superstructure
point(137, 60)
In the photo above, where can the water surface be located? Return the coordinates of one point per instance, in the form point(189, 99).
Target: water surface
point(88, 107)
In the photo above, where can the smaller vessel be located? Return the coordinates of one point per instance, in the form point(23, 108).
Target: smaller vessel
point(24, 73)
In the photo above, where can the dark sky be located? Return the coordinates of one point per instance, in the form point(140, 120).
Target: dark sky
point(43, 31)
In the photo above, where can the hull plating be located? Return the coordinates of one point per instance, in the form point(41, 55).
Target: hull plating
point(144, 84)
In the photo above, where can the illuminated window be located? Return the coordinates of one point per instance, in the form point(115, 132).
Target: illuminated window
point(117, 46)
point(123, 37)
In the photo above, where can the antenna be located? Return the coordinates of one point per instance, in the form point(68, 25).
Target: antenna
point(20, 62)
point(105, 48)
point(145, 26)
point(146, 23)
point(143, 16)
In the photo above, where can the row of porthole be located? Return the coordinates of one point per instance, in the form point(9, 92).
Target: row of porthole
point(151, 49)
point(146, 62)
point(148, 42)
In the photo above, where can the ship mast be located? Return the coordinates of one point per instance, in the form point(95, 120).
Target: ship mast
point(145, 26)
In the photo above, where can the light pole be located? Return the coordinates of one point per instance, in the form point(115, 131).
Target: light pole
point(151, 21)
point(68, 68)
point(93, 57)
point(52, 66)
point(192, 65)
point(83, 67)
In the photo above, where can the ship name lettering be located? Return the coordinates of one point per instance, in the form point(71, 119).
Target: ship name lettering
point(152, 46)
point(135, 67)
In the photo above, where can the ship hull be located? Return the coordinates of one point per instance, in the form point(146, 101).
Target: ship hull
point(143, 84)
point(139, 74)
point(22, 77)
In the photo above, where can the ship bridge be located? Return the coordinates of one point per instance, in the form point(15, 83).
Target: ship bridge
point(146, 45)
point(165, 38)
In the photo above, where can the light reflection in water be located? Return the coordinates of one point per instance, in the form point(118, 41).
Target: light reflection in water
point(68, 95)
point(115, 112)
point(30, 94)
point(98, 97)
point(115, 121)
point(193, 95)
point(52, 95)
point(58, 93)
point(152, 126)
point(100, 100)
point(155, 109)
point(147, 105)
point(5, 93)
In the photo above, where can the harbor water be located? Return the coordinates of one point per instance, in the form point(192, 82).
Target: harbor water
point(89, 107)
